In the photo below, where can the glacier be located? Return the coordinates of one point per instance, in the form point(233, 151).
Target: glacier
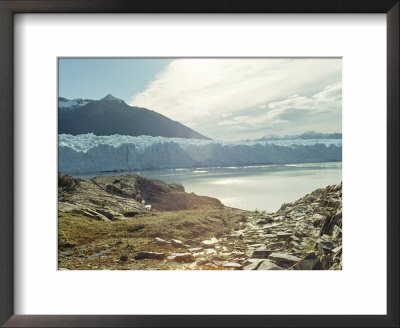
point(87, 153)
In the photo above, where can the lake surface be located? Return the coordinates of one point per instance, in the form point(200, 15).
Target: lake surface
point(263, 187)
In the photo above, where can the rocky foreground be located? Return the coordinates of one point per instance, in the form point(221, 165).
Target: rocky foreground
point(131, 223)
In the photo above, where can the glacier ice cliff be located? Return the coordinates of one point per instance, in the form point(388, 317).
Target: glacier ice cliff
point(90, 153)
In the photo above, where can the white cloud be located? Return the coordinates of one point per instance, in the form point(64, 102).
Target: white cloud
point(330, 98)
point(298, 110)
point(207, 93)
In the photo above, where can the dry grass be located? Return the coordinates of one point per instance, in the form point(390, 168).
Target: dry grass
point(80, 237)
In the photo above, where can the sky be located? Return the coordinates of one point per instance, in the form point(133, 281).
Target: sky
point(222, 98)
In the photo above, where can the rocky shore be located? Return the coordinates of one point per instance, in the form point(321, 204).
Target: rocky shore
point(132, 223)
point(117, 198)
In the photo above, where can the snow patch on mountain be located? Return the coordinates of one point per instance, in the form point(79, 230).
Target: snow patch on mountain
point(67, 104)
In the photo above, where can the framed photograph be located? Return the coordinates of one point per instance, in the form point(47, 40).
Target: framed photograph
point(199, 164)
point(200, 187)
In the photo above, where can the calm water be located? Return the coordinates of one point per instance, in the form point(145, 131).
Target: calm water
point(263, 187)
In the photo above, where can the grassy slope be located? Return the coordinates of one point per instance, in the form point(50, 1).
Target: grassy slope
point(82, 237)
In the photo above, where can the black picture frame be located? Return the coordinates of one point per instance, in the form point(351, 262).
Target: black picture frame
point(10, 7)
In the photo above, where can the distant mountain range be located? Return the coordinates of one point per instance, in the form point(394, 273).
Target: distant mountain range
point(309, 135)
point(111, 115)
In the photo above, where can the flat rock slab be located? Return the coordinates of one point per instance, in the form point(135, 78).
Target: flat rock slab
point(160, 241)
point(196, 249)
point(252, 264)
point(232, 266)
point(283, 235)
point(149, 255)
point(283, 258)
point(254, 244)
point(261, 252)
point(176, 243)
point(268, 265)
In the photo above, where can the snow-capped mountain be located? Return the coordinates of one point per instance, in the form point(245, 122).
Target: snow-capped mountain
point(110, 115)
point(66, 104)
point(309, 135)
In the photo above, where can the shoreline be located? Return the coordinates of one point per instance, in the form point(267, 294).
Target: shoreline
point(135, 171)
point(263, 187)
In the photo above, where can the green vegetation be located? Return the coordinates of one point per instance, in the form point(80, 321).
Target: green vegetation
point(81, 237)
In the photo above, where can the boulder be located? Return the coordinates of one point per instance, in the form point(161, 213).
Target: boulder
point(67, 182)
point(252, 264)
point(323, 245)
point(171, 197)
point(184, 258)
point(310, 262)
point(149, 255)
point(268, 265)
point(283, 259)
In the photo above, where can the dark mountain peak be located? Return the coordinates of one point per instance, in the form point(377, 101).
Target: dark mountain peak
point(111, 115)
point(110, 97)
